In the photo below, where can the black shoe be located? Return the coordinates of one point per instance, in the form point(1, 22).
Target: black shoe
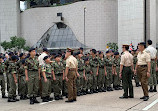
point(60, 97)
point(81, 93)
point(4, 96)
point(100, 90)
point(56, 98)
point(130, 96)
point(116, 88)
point(49, 98)
point(146, 98)
point(78, 94)
point(45, 99)
point(151, 89)
point(137, 84)
point(69, 101)
point(89, 92)
point(154, 90)
point(108, 89)
point(74, 100)
point(103, 90)
point(95, 91)
point(142, 97)
point(35, 100)
point(11, 100)
point(31, 101)
point(111, 89)
point(16, 99)
point(123, 97)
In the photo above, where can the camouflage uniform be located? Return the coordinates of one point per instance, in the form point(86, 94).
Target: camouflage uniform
point(109, 64)
point(7, 71)
point(135, 76)
point(80, 80)
point(88, 83)
point(64, 90)
point(101, 76)
point(57, 84)
point(32, 66)
point(117, 80)
point(94, 64)
point(2, 80)
point(12, 70)
point(22, 84)
point(46, 86)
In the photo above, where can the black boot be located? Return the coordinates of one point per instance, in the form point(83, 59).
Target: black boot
point(151, 89)
point(15, 99)
point(4, 96)
point(56, 97)
point(137, 84)
point(45, 99)
point(35, 100)
point(31, 100)
point(49, 98)
point(155, 90)
point(78, 94)
point(10, 99)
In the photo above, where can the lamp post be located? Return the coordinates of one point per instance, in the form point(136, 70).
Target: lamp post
point(84, 27)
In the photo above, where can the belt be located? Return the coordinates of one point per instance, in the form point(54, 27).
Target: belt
point(72, 69)
point(59, 74)
point(33, 70)
point(142, 65)
point(80, 69)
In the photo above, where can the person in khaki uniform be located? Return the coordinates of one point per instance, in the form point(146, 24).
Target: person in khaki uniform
point(143, 69)
point(126, 68)
point(46, 79)
point(70, 75)
point(58, 77)
point(32, 74)
point(12, 80)
point(2, 80)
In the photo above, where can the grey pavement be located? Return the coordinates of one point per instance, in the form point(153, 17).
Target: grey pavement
point(107, 101)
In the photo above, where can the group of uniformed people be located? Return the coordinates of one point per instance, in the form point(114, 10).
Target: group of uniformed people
point(74, 74)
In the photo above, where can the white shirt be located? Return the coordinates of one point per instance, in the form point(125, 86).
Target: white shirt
point(40, 58)
point(153, 52)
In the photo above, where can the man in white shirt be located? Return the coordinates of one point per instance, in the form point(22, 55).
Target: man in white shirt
point(40, 58)
point(153, 55)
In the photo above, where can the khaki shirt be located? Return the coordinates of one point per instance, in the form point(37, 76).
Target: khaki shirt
point(143, 58)
point(71, 62)
point(126, 59)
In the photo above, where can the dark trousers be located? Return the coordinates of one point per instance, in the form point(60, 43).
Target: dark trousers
point(142, 75)
point(71, 85)
point(127, 81)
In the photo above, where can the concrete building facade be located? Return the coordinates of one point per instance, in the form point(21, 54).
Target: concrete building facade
point(118, 21)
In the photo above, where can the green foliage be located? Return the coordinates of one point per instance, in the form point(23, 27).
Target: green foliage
point(6, 45)
point(113, 46)
point(17, 43)
point(27, 48)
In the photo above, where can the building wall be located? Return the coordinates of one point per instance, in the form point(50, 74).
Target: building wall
point(9, 19)
point(130, 22)
point(101, 22)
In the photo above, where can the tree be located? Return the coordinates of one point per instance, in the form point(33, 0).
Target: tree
point(113, 46)
point(16, 43)
point(6, 45)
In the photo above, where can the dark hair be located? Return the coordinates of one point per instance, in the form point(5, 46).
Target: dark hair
point(94, 51)
point(126, 47)
point(46, 57)
point(143, 44)
point(150, 42)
